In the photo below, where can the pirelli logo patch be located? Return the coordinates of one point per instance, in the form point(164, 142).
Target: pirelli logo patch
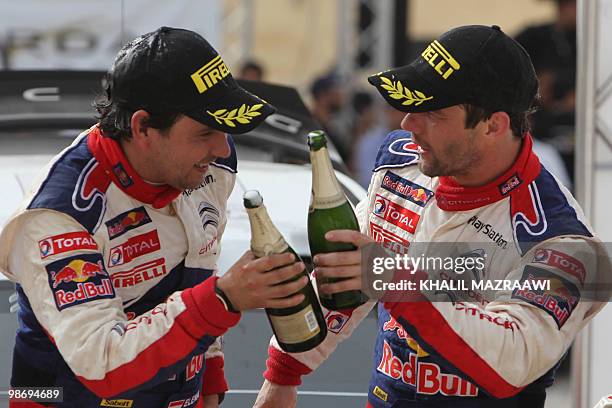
point(440, 59)
point(211, 73)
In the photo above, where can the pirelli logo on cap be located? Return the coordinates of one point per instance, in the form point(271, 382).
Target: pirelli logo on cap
point(440, 59)
point(211, 73)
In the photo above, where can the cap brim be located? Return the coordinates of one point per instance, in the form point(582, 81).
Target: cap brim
point(406, 90)
point(239, 111)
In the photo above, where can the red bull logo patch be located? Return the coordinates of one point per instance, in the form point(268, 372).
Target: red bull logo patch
point(393, 325)
point(127, 221)
point(401, 187)
point(562, 261)
point(425, 377)
point(510, 184)
point(71, 241)
point(79, 279)
point(133, 248)
point(396, 214)
point(559, 301)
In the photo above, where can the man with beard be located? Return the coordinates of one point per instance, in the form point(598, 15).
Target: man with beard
point(115, 250)
point(462, 171)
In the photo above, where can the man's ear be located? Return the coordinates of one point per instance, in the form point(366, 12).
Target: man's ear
point(498, 124)
point(139, 126)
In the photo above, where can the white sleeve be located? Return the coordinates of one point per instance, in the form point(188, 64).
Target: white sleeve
point(72, 297)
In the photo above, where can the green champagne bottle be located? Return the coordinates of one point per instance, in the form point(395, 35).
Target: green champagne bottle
point(298, 328)
point(329, 210)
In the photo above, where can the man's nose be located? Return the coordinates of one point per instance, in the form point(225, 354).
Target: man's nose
point(221, 147)
point(413, 122)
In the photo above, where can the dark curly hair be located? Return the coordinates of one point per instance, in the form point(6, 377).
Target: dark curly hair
point(115, 116)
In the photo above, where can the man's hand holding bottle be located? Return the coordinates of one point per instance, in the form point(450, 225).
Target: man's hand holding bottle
point(256, 283)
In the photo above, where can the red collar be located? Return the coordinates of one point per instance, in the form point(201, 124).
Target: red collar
point(451, 196)
point(114, 163)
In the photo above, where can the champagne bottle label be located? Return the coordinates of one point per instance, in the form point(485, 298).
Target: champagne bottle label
point(291, 329)
point(323, 203)
point(278, 247)
point(265, 238)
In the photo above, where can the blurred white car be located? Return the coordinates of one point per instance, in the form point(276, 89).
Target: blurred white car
point(42, 111)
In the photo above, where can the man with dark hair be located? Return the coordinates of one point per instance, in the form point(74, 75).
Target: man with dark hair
point(462, 171)
point(115, 250)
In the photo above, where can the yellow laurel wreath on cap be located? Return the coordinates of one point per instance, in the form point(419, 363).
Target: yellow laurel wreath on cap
point(398, 91)
point(243, 115)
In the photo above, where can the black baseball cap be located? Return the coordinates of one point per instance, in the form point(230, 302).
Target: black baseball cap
point(474, 64)
point(178, 70)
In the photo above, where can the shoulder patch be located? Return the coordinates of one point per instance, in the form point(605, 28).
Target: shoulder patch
point(70, 241)
point(397, 150)
point(558, 298)
point(229, 163)
point(79, 279)
point(76, 186)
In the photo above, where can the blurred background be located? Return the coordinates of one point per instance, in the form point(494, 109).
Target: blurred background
point(327, 48)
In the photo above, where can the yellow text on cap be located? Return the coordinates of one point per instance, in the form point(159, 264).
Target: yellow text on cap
point(445, 64)
point(211, 73)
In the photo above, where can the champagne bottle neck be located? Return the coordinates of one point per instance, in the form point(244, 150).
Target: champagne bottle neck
point(326, 190)
point(266, 239)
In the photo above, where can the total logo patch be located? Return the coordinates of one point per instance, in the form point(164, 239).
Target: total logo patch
point(336, 321)
point(396, 214)
point(79, 279)
point(70, 241)
point(133, 248)
point(560, 260)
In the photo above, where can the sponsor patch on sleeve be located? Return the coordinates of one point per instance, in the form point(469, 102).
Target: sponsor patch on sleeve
point(558, 298)
point(562, 261)
point(79, 279)
point(336, 321)
point(406, 189)
point(127, 221)
point(396, 214)
point(70, 241)
point(380, 393)
point(133, 248)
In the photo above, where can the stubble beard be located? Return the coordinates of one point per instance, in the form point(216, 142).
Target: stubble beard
point(455, 165)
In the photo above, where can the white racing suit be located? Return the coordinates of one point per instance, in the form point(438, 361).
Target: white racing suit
point(115, 278)
point(488, 344)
